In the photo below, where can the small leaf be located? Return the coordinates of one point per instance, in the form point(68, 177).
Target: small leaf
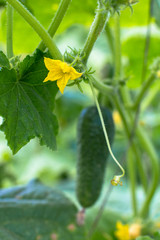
point(26, 104)
point(4, 62)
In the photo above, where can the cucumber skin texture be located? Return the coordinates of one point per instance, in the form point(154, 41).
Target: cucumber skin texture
point(92, 154)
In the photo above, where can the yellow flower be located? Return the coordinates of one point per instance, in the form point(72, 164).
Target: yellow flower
point(122, 232)
point(157, 224)
point(158, 74)
point(135, 230)
point(61, 72)
point(116, 117)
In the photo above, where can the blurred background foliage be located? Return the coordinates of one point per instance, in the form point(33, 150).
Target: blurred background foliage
point(58, 168)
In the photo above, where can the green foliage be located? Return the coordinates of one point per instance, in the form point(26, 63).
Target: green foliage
point(5, 235)
point(4, 60)
point(157, 236)
point(26, 104)
point(138, 17)
point(44, 13)
point(37, 212)
point(2, 3)
point(133, 50)
point(144, 238)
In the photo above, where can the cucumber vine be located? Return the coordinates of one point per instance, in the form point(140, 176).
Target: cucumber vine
point(117, 92)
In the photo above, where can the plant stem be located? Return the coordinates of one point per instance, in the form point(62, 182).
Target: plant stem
point(95, 30)
point(9, 31)
point(104, 129)
point(132, 177)
point(117, 48)
point(147, 43)
point(148, 99)
point(123, 114)
point(144, 89)
point(110, 39)
point(39, 29)
point(62, 9)
point(101, 86)
point(147, 144)
point(132, 143)
point(100, 212)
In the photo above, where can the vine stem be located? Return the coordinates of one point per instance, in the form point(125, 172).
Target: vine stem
point(149, 98)
point(104, 129)
point(101, 86)
point(100, 212)
point(117, 48)
point(39, 29)
point(147, 144)
point(62, 9)
point(147, 42)
point(133, 144)
point(144, 141)
point(97, 26)
point(144, 89)
point(132, 176)
point(9, 31)
point(110, 39)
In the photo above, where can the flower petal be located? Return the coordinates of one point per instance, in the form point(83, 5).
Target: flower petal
point(53, 76)
point(65, 67)
point(51, 64)
point(74, 74)
point(61, 83)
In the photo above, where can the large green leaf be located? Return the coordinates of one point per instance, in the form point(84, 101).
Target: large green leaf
point(37, 212)
point(26, 104)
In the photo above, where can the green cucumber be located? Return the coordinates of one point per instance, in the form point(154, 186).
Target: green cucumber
point(92, 153)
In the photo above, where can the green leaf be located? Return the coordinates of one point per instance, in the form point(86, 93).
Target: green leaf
point(4, 62)
point(26, 104)
point(144, 238)
point(133, 51)
point(139, 17)
point(7, 235)
point(2, 3)
point(26, 41)
point(38, 213)
point(156, 11)
point(156, 235)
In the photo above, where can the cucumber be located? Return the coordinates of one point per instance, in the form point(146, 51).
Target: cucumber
point(92, 153)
